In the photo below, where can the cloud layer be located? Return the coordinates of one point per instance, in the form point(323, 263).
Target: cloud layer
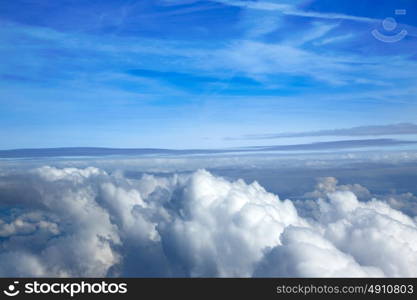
point(144, 152)
point(86, 222)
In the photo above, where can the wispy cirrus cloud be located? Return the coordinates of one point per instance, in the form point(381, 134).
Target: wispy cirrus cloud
point(292, 10)
point(377, 130)
point(221, 61)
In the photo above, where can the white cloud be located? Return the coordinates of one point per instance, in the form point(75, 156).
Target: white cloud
point(257, 59)
point(27, 224)
point(305, 252)
point(290, 9)
point(224, 226)
point(86, 222)
point(406, 202)
point(317, 31)
point(328, 185)
point(334, 39)
point(72, 174)
point(242, 54)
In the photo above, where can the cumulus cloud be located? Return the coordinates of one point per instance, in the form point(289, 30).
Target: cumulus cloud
point(329, 185)
point(87, 222)
point(405, 202)
point(26, 224)
point(305, 252)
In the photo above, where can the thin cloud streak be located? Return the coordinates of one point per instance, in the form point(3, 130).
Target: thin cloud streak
point(287, 9)
point(377, 130)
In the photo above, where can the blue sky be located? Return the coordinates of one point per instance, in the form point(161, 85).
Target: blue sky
point(193, 74)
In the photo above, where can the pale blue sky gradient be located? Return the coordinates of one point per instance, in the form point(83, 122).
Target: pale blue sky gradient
point(193, 74)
